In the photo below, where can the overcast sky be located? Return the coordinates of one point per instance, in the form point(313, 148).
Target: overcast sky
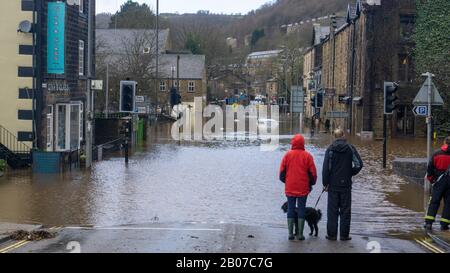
point(188, 6)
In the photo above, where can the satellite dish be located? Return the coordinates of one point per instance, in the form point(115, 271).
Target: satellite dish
point(72, 2)
point(25, 26)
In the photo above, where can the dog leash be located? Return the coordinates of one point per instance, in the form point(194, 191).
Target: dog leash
point(318, 200)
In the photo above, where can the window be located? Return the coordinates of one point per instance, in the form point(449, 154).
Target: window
point(162, 86)
point(407, 26)
point(81, 58)
point(191, 87)
point(49, 128)
point(69, 132)
point(61, 139)
point(74, 127)
point(81, 5)
point(405, 68)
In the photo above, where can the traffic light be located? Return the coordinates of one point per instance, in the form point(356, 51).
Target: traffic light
point(127, 96)
point(390, 97)
point(319, 100)
point(313, 101)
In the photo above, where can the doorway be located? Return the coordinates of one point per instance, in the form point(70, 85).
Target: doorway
point(405, 121)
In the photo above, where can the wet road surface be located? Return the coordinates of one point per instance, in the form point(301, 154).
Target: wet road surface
point(211, 183)
point(201, 238)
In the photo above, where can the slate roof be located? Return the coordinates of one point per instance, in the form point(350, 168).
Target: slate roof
point(320, 33)
point(264, 54)
point(191, 66)
point(112, 39)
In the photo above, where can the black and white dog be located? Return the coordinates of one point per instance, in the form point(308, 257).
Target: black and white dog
point(312, 217)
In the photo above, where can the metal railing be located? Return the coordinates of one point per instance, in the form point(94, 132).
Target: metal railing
point(10, 141)
point(107, 149)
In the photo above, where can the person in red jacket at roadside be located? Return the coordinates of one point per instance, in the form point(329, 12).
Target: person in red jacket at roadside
point(298, 171)
point(438, 165)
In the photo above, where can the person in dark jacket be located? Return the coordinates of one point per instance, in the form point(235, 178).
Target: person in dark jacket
point(438, 165)
point(298, 172)
point(341, 163)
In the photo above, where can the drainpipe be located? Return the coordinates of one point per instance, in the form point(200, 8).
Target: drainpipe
point(352, 75)
point(33, 107)
point(89, 104)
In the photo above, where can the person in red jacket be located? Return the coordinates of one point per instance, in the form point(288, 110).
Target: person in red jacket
point(438, 165)
point(298, 171)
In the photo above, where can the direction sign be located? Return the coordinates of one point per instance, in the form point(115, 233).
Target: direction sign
point(336, 114)
point(297, 99)
point(422, 96)
point(421, 110)
point(140, 99)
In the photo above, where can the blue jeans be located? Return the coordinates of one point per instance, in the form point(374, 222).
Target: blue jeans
point(299, 202)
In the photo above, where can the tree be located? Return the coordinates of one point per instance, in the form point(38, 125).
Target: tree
point(193, 44)
point(202, 34)
point(133, 15)
point(256, 36)
point(432, 52)
point(129, 60)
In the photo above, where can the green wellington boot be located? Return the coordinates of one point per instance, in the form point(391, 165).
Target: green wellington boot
point(291, 228)
point(301, 227)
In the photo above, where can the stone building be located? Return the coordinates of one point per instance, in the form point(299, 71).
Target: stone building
point(373, 45)
point(262, 66)
point(45, 51)
point(188, 71)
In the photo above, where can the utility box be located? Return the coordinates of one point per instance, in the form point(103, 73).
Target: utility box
point(46, 162)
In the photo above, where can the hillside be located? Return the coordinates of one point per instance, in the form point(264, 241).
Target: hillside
point(211, 30)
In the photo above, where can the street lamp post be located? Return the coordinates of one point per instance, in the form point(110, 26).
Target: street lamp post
point(157, 56)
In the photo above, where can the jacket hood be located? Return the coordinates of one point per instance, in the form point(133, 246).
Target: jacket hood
point(340, 146)
point(445, 148)
point(298, 142)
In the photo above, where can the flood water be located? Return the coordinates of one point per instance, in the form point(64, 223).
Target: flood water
point(213, 182)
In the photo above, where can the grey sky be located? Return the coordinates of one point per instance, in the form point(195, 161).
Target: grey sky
point(188, 6)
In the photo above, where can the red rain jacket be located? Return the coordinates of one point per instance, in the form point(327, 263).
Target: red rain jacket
point(300, 169)
point(439, 163)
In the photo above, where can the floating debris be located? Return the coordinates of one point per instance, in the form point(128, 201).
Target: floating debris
point(37, 235)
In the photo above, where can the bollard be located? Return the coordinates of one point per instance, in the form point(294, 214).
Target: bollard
point(100, 153)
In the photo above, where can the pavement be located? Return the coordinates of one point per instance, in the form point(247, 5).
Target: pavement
point(7, 228)
point(201, 238)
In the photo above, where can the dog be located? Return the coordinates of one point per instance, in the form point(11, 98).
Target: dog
point(312, 217)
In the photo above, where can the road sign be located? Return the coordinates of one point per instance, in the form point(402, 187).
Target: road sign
point(140, 99)
point(97, 85)
point(297, 99)
point(337, 114)
point(421, 110)
point(422, 96)
point(330, 92)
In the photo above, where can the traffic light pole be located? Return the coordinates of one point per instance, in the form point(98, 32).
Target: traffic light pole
point(427, 187)
point(384, 141)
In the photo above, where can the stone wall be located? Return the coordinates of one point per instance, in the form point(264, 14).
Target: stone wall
point(413, 169)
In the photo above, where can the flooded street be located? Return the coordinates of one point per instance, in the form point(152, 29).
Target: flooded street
point(220, 182)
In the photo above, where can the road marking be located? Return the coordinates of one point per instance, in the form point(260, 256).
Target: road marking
point(22, 243)
point(429, 246)
point(145, 228)
point(8, 248)
point(434, 247)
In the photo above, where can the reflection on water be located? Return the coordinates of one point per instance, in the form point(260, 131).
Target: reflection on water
point(216, 182)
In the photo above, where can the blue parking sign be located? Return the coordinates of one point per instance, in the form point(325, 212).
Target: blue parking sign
point(421, 110)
